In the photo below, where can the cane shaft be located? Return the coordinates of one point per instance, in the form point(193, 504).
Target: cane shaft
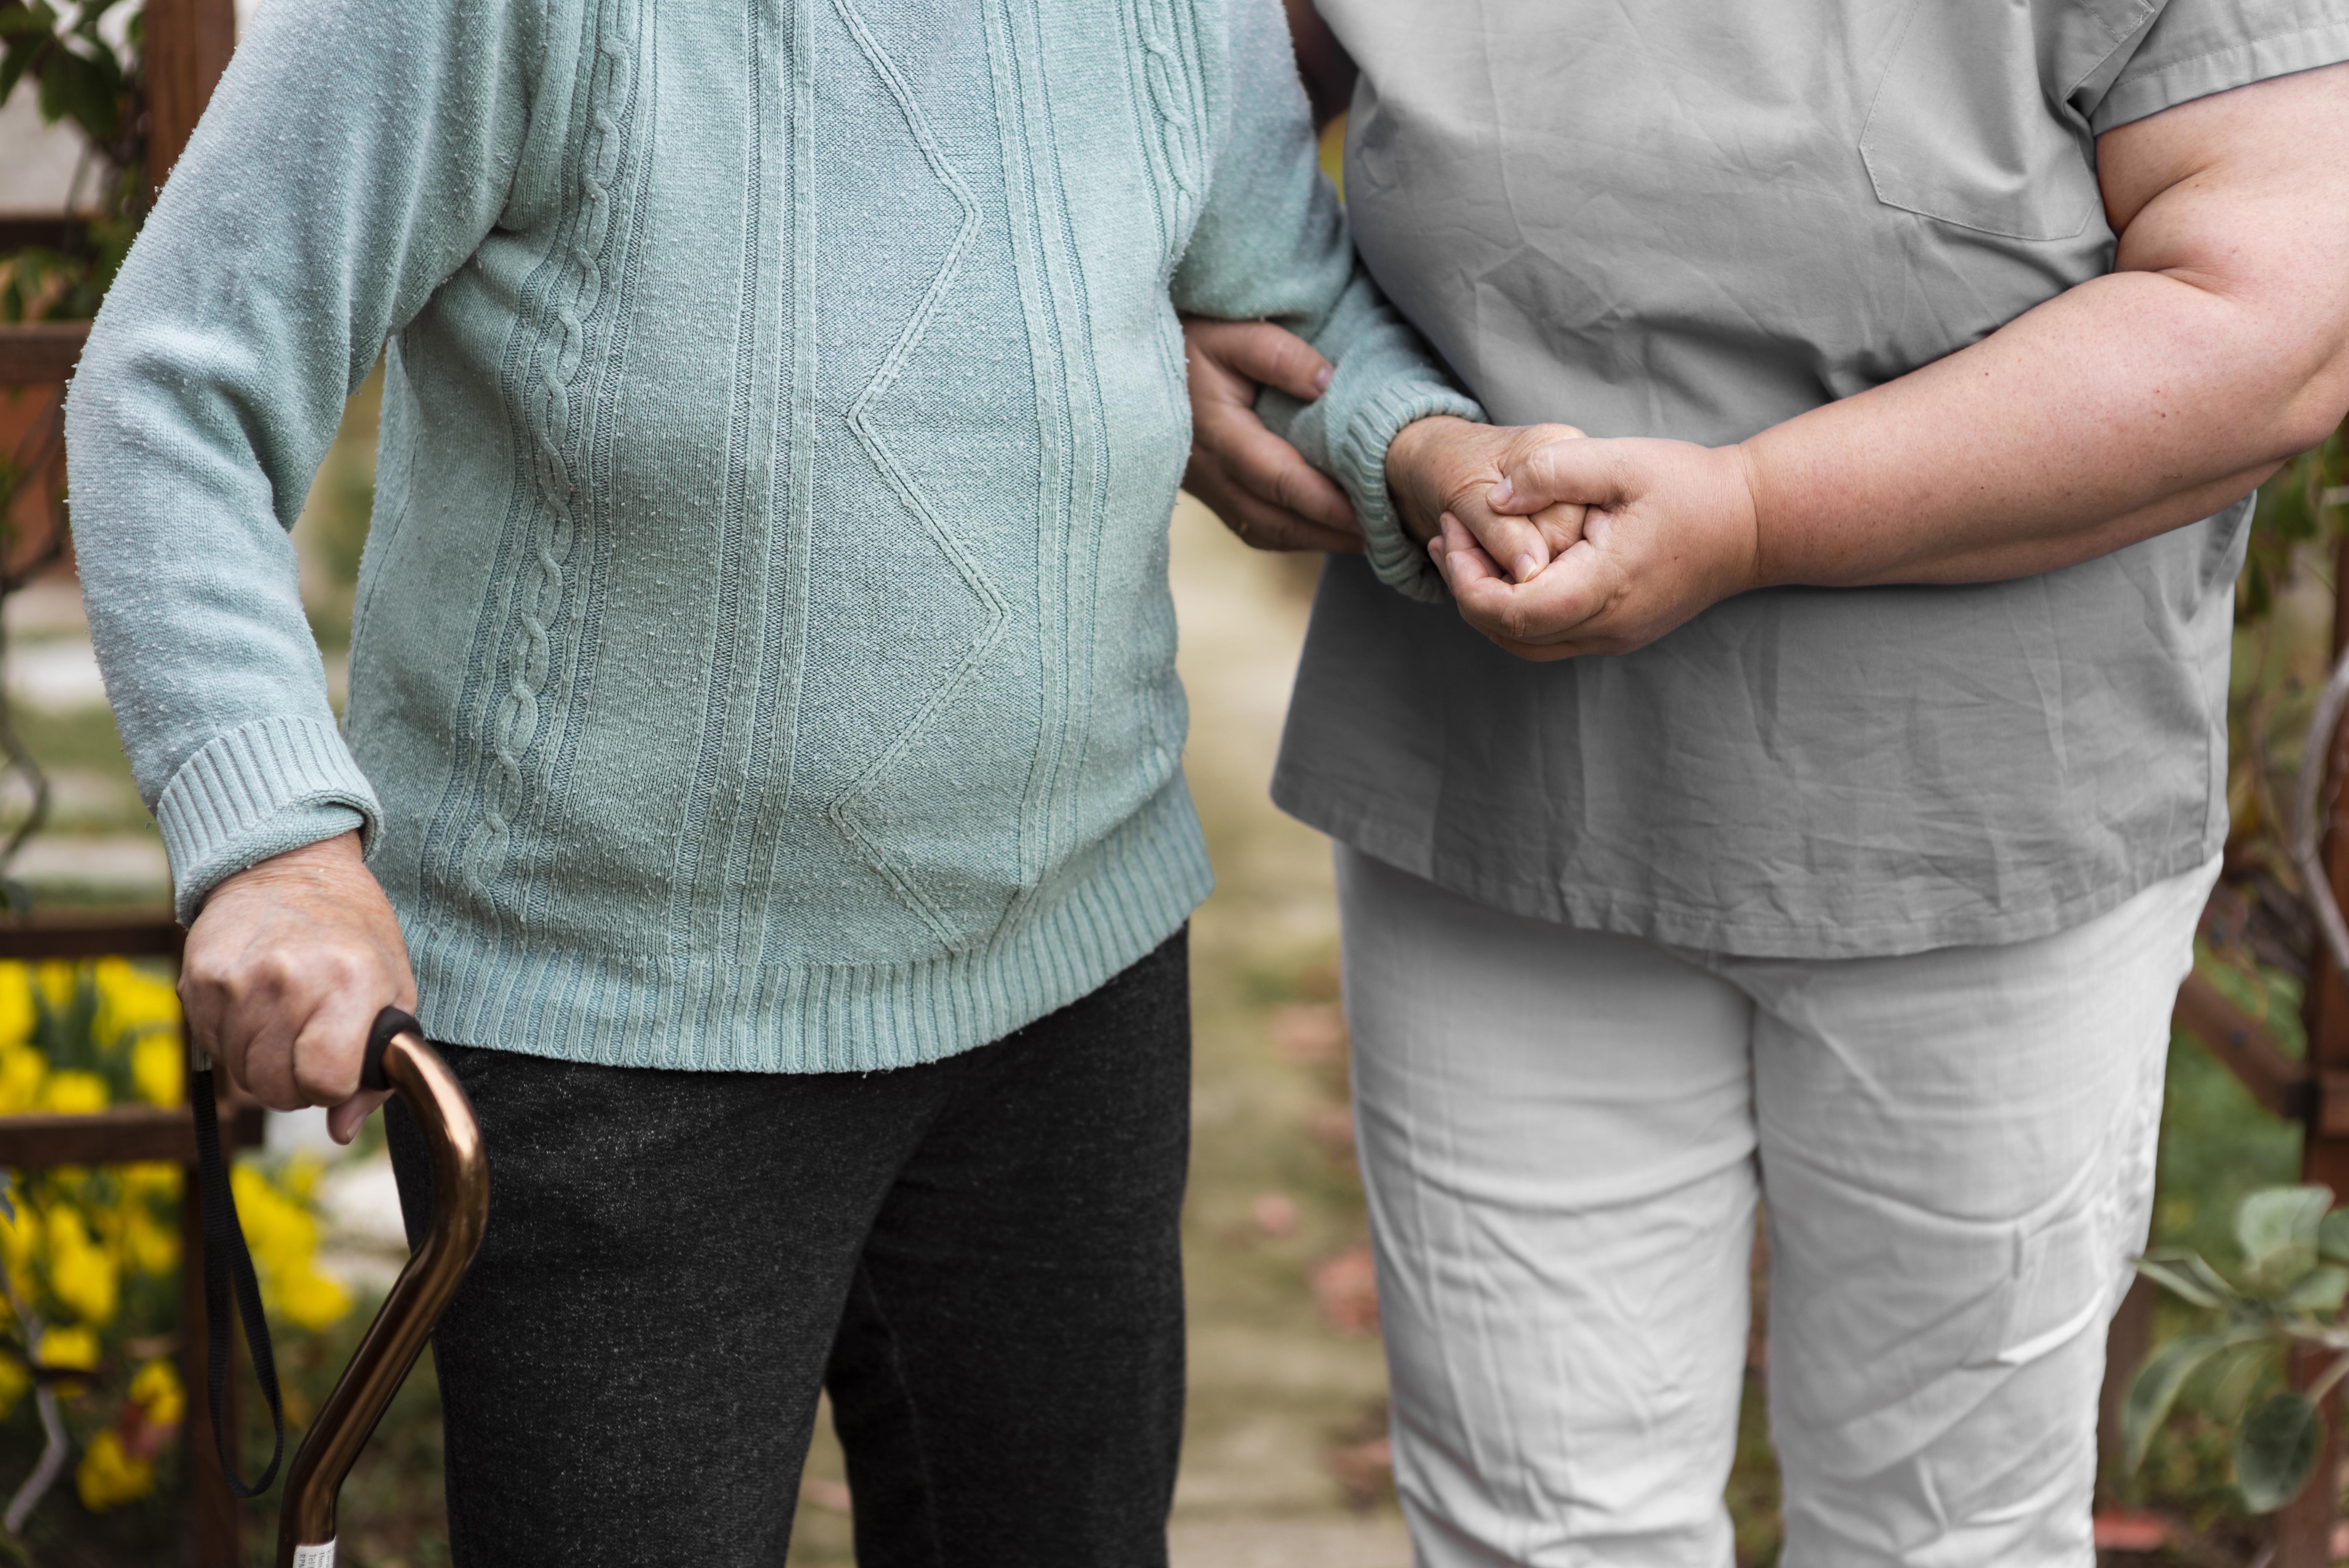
point(461, 1210)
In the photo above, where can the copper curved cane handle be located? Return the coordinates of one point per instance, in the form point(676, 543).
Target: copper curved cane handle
point(460, 1211)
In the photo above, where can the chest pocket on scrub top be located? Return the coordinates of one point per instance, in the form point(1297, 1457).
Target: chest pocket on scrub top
point(1964, 127)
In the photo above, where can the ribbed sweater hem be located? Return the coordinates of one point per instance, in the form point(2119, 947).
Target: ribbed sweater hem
point(263, 788)
point(1400, 560)
point(1105, 911)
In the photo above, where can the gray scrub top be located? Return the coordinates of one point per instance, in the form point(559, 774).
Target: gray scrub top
point(1695, 219)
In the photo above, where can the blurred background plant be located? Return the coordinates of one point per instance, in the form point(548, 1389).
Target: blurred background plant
point(2220, 1150)
point(84, 61)
point(2287, 1296)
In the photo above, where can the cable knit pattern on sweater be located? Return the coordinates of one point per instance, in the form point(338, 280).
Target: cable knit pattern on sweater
point(764, 657)
point(572, 336)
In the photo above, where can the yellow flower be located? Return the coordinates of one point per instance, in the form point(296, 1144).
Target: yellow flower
point(157, 1392)
point(58, 979)
point(15, 1004)
point(74, 1093)
point(280, 1232)
point(308, 1299)
point(154, 1179)
point(153, 1247)
point(15, 1382)
point(110, 1476)
point(284, 1237)
point(19, 1240)
point(81, 1273)
point(159, 1070)
point(70, 1346)
point(132, 1003)
point(300, 1176)
point(20, 1070)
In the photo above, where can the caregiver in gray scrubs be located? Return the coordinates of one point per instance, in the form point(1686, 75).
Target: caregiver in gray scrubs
point(1806, 787)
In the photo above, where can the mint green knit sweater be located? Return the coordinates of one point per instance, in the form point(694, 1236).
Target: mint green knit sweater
point(764, 657)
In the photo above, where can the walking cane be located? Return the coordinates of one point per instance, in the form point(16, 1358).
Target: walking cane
point(397, 1059)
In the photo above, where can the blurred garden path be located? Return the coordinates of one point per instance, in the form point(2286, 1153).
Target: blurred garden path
point(1287, 1387)
point(100, 846)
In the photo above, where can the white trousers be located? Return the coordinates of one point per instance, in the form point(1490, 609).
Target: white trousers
point(1564, 1133)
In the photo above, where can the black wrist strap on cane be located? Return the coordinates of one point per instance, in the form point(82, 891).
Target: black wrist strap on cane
point(228, 1264)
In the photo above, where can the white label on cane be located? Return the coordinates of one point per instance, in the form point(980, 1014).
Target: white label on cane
point(315, 1556)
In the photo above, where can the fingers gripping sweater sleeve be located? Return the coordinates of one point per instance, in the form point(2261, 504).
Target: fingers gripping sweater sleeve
point(1271, 242)
point(353, 158)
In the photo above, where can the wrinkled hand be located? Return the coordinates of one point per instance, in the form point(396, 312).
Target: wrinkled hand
point(1668, 529)
point(286, 967)
point(1258, 483)
point(1443, 466)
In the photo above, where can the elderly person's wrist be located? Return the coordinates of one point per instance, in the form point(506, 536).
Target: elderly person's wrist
point(1428, 462)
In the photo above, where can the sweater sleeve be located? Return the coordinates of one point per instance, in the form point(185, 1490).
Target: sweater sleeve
point(353, 158)
point(1271, 242)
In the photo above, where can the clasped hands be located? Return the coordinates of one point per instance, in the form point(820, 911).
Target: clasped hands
point(1553, 544)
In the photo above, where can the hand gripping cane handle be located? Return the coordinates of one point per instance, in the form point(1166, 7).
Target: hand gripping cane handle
point(398, 1060)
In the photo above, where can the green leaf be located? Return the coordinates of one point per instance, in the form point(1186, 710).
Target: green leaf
point(2277, 1220)
point(2320, 1291)
point(2155, 1389)
point(28, 22)
point(2237, 1375)
point(2275, 1448)
point(83, 90)
point(2333, 1236)
point(2183, 1274)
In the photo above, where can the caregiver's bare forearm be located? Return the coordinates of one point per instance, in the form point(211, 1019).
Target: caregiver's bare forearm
point(2059, 548)
point(2129, 405)
point(2100, 419)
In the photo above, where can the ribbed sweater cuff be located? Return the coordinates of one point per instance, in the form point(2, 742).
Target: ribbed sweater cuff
point(1400, 560)
point(260, 790)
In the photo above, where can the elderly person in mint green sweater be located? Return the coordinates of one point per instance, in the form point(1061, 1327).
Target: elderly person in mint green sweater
point(763, 733)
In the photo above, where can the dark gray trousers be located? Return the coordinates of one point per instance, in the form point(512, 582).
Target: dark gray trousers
point(978, 1257)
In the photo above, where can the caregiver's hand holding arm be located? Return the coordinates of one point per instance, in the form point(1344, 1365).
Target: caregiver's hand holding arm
point(1247, 476)
point(2130, 405)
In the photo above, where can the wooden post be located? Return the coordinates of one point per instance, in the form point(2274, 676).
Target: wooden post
point(2304, 1530)
point(187, 46)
